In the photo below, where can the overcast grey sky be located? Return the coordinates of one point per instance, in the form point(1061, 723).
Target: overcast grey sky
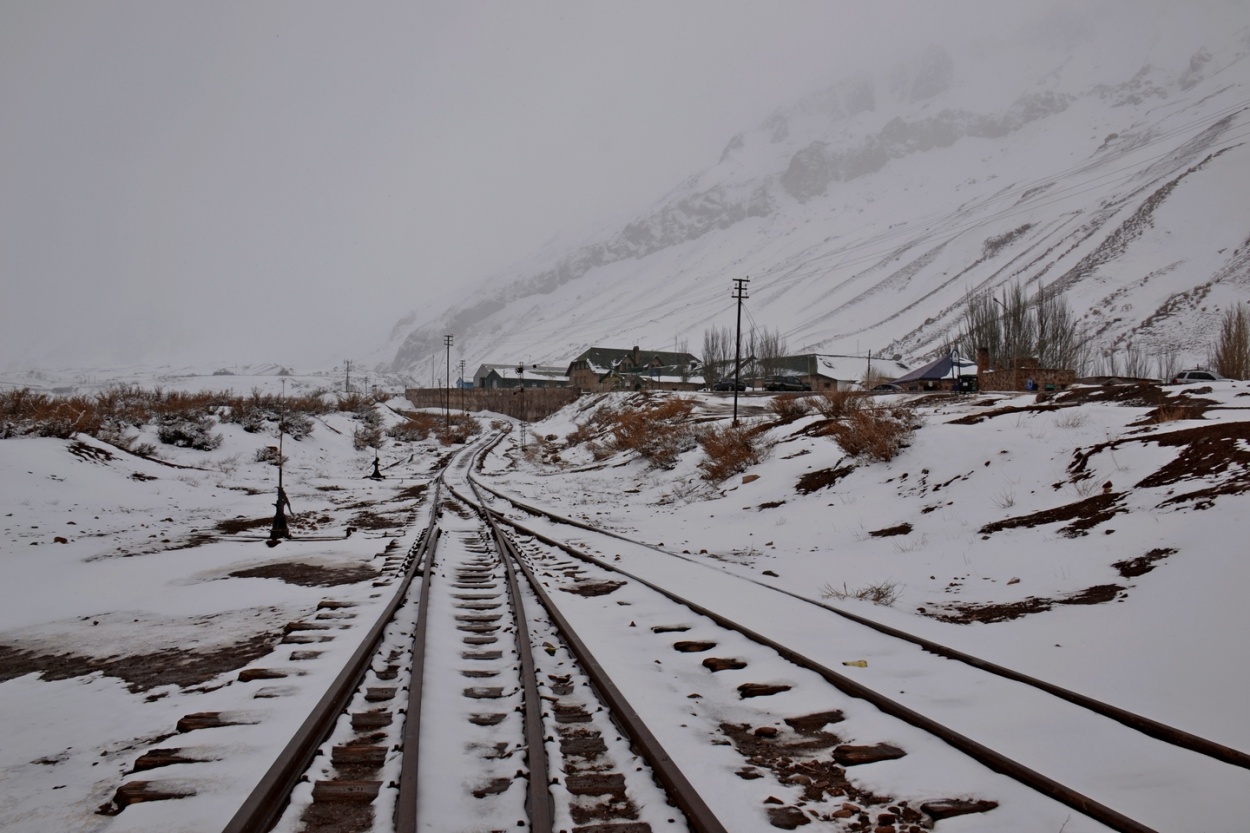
point(281, 181)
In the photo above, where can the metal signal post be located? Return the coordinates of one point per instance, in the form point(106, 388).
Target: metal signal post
point(279, 530)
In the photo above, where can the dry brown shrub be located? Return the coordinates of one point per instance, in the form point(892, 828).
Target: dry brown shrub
point(875, 433)
point(109, 413)
point(457, 429)
point(583, 433)
point(883, 593)
point(1171, 413)
point(730, 449)
point(656, 427)
point(835, 404)
point(415, 427)
point(789, 408)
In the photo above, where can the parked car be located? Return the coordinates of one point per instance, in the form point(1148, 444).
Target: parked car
point(727, 384)
point(1189, 377)
point(778, 383)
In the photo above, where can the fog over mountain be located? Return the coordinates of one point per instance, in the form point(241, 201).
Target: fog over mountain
point(1074, 153)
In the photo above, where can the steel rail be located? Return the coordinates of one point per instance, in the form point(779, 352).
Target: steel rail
point(539, 803)
point(262, 808)
point(682, 793)
point(992, 759)
point(1145, 725)
point(406, 809)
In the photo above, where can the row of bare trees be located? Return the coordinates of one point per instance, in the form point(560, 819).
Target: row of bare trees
point(760, 352)
point(1012, 325)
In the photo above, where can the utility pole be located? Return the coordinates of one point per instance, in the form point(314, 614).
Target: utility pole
point(462, 407)
point(347, 385)
point(447, 388)
point(740, 293)
point(520, 372)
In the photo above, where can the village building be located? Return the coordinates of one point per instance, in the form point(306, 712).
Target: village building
point(822, 372)
point(1026, 375)
point(491, 376)
point(948, 373)
point(607, 369)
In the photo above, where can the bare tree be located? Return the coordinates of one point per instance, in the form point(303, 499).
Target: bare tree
point(750, 365)
point(718, 349)
point(682, 345)
point(1167, 363)
point(1231, 353)
point(769, 348)
point(1014, 326)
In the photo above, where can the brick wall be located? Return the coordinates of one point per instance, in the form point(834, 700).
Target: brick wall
point(532, 405)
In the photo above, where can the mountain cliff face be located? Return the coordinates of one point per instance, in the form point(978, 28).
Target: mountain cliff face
point(864, 214)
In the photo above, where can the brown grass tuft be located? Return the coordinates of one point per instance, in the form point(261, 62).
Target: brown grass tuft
point(461, 427)
point(874, 433)
point(730, 449)
point(788, 408)
point(654, 426)
point(836, 404)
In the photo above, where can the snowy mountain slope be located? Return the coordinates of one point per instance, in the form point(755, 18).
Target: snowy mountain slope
point(864, 214)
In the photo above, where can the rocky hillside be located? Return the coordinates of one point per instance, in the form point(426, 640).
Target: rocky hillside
point(864, 214)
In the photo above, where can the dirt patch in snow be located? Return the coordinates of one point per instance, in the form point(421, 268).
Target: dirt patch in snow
point(1135, 395)
point(812, 481)
point(890, 531)
point(1134, 567)
point(1139, 395)
point(964, 613)
point(140, 672)
point(1217, 452)
point(310, 575)
point(233, 526)
point(366, 519)
point(1007, 410)
point(1084, 515)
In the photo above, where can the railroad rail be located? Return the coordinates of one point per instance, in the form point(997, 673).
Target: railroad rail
point(469, 623)
point(1213, 755)
point(486, 696)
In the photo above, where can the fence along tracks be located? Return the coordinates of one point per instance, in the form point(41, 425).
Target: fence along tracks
point(1233, 774)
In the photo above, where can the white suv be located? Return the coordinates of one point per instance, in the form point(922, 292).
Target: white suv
point(1188, 377)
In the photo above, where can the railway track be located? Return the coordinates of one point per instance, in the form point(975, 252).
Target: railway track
point(464, 709)
point(531, 672)
point(1026, 716)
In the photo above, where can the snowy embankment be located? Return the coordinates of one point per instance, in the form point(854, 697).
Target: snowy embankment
point(1090, 540)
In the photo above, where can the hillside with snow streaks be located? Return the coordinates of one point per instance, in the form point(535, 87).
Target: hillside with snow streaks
point(866, 213)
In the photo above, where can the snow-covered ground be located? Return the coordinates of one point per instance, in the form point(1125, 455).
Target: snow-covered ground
point(129, 588)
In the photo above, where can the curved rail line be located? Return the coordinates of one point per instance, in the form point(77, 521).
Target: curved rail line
point(980, 752)
point(1145, 725)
